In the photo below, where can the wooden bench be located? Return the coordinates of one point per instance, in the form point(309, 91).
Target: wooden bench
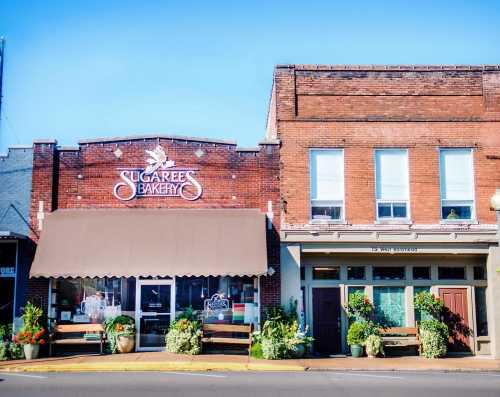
point(223, 334)
point(401, 337)
point(56, 337)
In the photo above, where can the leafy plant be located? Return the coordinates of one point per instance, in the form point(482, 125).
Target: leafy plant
point(5, 332)
point(184, 336)
point(32, 332)
point(121, 325)
point(359, 307)
point(10, 351)
point(433, 338)
point(374, 345)
point(427, 303)
point(256, 350)
point(357, 333)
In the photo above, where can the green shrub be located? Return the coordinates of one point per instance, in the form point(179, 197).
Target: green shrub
point(374, 345)
point(16, 351)
point(184, 336)
point(433, 338)
point(427, 303)
point(357, 333)
point(359, 307)
point(121, 325)
point(256, 350)
point(4, 351)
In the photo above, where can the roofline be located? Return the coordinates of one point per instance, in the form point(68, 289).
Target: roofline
point(392, 68)
point(156, 136)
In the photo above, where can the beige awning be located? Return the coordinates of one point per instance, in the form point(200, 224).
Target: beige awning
point(151, 242)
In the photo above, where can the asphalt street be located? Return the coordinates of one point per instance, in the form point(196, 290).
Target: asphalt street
point(310, 384)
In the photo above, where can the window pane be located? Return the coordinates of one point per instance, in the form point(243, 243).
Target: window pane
point(302, 273)
point(389, 306)
point(419, 316)
point(384, 210)
point(391, 168)
point(421, 273)
point(452, 212)
point(399, 210)
point(326, 213)
point(451, 273)
point(8, 254)
point(388, 273)
point(356, 272)
point(456, 174)
point(479, 273)
point(481, 316)
point(327, 175)
point(326, 273)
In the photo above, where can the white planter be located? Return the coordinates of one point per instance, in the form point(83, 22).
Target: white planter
point(31, 351)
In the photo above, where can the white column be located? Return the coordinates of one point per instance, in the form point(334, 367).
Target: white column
point(493, 300)
point(290, 273)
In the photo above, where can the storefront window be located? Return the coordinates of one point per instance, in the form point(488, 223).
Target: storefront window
point(451, 273)
point(421, 273)
point(87, 300)
point(389, 306)
point(302, 273)
point(419, 315)
point(326, 273)
point(481, 311)
point(237, 296)
point(356, 272)
point(388, 273)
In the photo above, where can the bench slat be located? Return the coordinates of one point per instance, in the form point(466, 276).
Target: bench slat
point(76, 341)
point(62, 328)
point(239, 341)
point(227, 328)
point(399, 331)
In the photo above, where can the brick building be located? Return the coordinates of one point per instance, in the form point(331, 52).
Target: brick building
point(148, 226)
point(385, 179)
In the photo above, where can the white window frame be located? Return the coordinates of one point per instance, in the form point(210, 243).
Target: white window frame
point(327, 203)
point(471, 203)
point(392, 218)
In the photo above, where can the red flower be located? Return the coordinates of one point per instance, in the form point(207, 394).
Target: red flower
point(42, 342)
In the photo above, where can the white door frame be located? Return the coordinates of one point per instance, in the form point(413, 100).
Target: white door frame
point(138, 284)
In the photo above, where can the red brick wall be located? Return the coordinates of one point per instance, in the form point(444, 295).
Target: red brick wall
point(85, 178)
point(359, 110)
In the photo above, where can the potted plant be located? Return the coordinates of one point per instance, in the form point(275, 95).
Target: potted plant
point(32, 334)
point(374, 346)
point(356, 337)
point(120, 331)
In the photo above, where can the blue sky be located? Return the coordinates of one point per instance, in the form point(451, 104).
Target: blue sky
point(82, 69)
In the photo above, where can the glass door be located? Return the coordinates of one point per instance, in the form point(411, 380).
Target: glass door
point(154, 312)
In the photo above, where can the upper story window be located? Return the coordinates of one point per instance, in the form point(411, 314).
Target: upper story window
point(457, 184)
point(327, 184)
point(392, 186)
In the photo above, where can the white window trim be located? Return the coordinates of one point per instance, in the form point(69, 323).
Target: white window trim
point(473, 219)
point(393, 220)
point(341, 220)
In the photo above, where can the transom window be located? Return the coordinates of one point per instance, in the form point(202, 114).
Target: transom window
point(421, 273)
point(457, 184)
point(355, 272)
point(451, 273)
point(327, 184)
point(326, 273)
point(388, 273)
point(392, 186)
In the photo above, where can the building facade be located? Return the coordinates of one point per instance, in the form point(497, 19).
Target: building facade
point(385, 179)
point(151, 226)
point(16, 247)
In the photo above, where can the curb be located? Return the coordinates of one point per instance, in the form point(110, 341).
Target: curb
point(439, 370)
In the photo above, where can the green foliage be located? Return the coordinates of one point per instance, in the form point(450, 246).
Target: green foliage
point(10, 351)
point(4, 351)
point(184, 336)
point(256, 350)
point(189, 314)
point(357, 333)
point(433, 338)
point(374, 345)
point(427, 303)
point(121, 325)
point(280, 336)
point(359, 307)
point(5, 332)
point(32, 331)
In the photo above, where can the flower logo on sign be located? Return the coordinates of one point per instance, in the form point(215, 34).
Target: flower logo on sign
point(215, 306)
point(158, 159)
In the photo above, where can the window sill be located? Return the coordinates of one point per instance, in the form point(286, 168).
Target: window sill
point(327, 222)
point(393, 222)
point(458, 222)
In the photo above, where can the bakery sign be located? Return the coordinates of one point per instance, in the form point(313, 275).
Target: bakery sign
point(160, 178)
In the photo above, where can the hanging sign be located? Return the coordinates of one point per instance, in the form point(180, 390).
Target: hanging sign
point(160, 178)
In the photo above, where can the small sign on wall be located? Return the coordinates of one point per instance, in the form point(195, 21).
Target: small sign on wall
point(7, 271)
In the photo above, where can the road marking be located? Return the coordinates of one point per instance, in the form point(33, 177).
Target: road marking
point(194, 374)
point(24, 376)
point(367, 375)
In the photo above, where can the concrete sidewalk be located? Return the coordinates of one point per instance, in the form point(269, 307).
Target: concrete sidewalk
point(162, 361)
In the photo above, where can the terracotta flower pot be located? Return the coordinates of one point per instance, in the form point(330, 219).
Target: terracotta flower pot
point(31, 351)
point(125, 344)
